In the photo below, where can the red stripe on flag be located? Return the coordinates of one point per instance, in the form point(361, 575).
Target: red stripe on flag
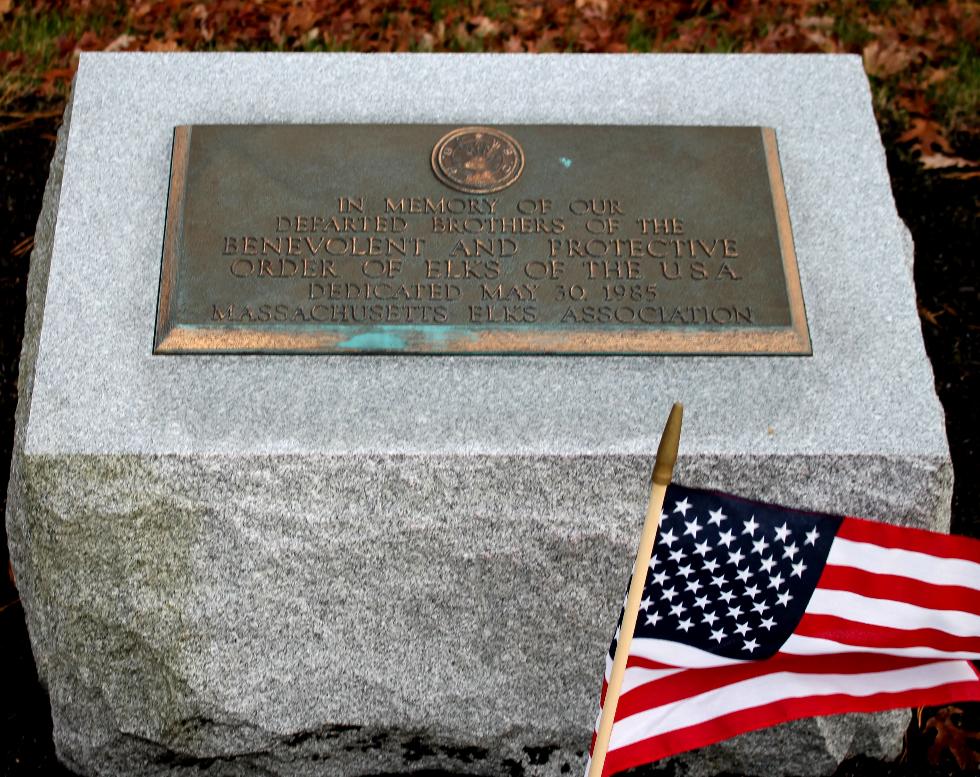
point(905, 538)
point(900, 589)
point(866, 635)
point(638, 662)
point(696, 681)
point(726, 726)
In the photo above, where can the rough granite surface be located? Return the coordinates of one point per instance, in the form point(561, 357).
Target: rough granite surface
point(358, 565)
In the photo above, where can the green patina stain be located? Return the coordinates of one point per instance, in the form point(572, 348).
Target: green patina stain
point(375, 341)
point(399, 338)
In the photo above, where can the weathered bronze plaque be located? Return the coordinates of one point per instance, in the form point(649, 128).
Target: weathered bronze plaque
point(458, 239)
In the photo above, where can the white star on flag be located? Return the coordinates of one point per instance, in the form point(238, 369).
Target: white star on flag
point(716, 517)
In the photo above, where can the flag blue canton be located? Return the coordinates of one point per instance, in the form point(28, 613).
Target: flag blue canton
point(729, 576)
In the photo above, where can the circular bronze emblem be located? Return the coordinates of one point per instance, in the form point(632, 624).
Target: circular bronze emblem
point(477, 160)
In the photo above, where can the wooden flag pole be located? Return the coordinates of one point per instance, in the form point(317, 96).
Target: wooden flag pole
point(663, 471)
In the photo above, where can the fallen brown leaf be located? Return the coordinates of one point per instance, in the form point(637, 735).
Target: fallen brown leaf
point(952, 738)
point(161, 45)
point(928, 315)
point(941, 161)
point(925, 135)
point(885, 60)
point(915, 103)
point(121, 43)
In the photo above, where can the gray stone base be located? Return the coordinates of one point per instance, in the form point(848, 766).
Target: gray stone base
point(342, 751)
point(353, 566)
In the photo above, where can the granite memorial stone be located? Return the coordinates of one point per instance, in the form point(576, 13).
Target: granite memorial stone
point(348, 564)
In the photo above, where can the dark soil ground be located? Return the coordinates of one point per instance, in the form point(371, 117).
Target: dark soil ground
point(942, 215)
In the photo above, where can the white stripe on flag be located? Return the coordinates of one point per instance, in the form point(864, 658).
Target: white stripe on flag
point(636, 676)
point(676, 654)
point(892, 614)
point(759, 691)
point(816, 646)
point(905, 563)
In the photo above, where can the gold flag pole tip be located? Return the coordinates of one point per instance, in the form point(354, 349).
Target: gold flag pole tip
point(663, 469)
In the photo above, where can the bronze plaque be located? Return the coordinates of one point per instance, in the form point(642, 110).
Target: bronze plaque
point(528, 239)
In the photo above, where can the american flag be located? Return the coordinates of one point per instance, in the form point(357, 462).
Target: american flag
point(754, 614)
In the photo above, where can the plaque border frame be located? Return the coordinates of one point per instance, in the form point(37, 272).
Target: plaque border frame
point(173, 338)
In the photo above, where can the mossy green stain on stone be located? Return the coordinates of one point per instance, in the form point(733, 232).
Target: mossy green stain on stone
point(114, 573)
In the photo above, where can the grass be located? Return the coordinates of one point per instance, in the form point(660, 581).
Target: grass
point(35, 37)
point(440, 8)
point(958, 96)
point(851, 33)
point(638, 37)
